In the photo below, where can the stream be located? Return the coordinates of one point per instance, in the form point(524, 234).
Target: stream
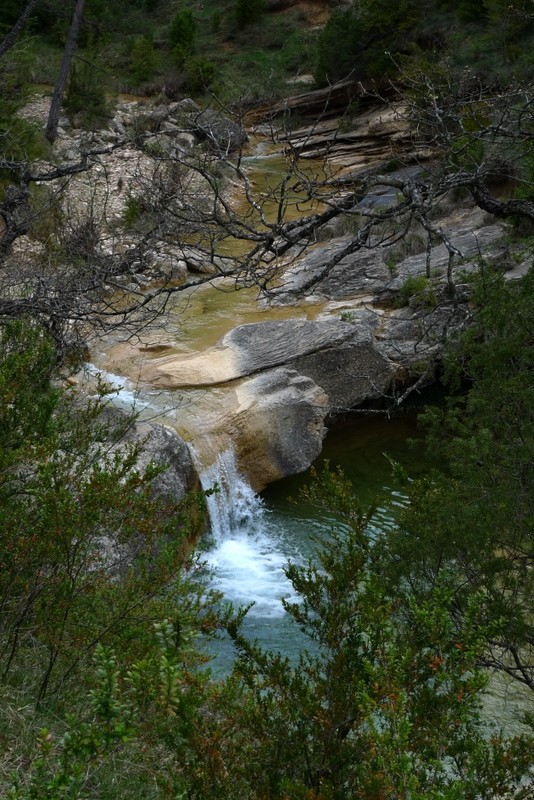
point(252, 537)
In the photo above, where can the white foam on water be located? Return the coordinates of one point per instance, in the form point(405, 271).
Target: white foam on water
point(123, 393)
point(248, 556)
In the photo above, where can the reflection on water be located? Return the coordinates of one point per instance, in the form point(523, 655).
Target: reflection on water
point(267, 187)
point(254, 538)
point(280, 185)
point(202, 315)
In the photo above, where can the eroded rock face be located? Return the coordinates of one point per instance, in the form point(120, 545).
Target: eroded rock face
point(278, 428)
point(363, 272)
point(342, 357)
point(351, 374)
point(276, 342)
point(372, 136)
point(162, 446)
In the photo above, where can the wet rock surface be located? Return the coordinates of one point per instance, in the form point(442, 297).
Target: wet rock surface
point(270, 385)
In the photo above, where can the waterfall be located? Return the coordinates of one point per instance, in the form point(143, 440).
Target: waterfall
point(248, 555)
point(234, 508)
point(122, 392)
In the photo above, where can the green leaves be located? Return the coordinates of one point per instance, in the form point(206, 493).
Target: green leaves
point(182, 35)
point(362, 41)
point(87, 551)
point(476, 515)
point(385, 701)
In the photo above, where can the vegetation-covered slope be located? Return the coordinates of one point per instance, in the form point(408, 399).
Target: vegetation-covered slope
point(102, 689)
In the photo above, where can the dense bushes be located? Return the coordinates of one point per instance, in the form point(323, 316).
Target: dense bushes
point(182, 35)
point(475, 516)
point(363, 41)
point(87, 553)
point(85, 96)
point(371, 39)
point(248, 11)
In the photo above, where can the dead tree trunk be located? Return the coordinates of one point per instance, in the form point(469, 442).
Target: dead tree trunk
point(61, 82)
point(11, 37)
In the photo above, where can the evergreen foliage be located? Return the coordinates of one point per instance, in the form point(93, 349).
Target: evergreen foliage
point(87, 552)
point(144, 59)
point(386, 700)
point(371, 39)
point(471, 10)
point(248, 11)
point(182, 35)
point(200, 74)
point(19, 139)
point(477, 516)
point(85, 96)
point(363, 41)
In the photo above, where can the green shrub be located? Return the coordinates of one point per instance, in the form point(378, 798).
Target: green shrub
point(418, 291)
point(21, 140)
point(85, 96)
point(200, 74)
point(248, 11)
point(391, 259)
point(144, 59)
point(471, 10)
point(360, 41)
point(337, 46)
point(133, 210)
point(182, 35)
point(386, 701)
point(466, 153)
point(73, 514)
point(216, 22)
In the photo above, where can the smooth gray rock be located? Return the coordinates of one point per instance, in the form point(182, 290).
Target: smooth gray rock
point(262, 345)
point(363, 272)
point(162, 446)
point(279, 428)
point(343, 358)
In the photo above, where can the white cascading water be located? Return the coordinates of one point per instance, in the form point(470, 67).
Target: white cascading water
point(247, 557)
point(122, 392)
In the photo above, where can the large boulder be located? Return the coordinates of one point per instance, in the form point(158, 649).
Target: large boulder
point(162, 446)
point(274, 423)
point(340, 356)
point(221, 132)
point(278, 427)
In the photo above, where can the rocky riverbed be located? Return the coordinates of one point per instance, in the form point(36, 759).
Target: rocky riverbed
point(302, 355)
